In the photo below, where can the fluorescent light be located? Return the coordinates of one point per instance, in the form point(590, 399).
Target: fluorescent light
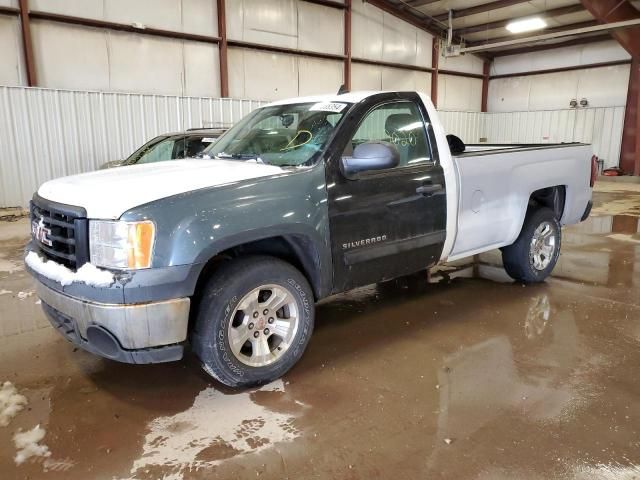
point(526, 25)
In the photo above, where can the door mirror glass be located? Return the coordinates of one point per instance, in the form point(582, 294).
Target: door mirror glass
point(371, 156)
point(395, 125)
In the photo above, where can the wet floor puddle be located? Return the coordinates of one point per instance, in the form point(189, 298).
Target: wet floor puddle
point(462, 374)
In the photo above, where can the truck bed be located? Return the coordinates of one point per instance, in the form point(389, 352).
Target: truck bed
point(476, 149)
point(495, 184)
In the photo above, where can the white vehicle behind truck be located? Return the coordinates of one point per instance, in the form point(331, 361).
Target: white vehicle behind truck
point(302, 199)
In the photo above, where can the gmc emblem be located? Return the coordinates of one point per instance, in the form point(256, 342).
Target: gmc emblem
point(41, 233)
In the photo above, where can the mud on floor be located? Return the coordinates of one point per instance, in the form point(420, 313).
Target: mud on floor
point(461, 375)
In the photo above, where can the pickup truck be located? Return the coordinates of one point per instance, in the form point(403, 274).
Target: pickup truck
point(302, 199)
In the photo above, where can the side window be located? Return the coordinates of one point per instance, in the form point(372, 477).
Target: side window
point(195, 145)
point(399, 123)
point(159, 153)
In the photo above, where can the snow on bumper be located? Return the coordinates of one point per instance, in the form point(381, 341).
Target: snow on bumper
point(87, 308)
point(88, 273)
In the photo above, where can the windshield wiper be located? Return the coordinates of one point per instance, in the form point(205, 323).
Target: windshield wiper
point(238, 156)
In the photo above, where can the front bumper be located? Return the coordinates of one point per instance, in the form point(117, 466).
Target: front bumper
point(132, 333)
point(141, 318)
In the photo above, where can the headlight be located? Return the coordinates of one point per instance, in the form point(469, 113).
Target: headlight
point(126, 245)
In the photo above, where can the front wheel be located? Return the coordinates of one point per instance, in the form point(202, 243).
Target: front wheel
point(254, 321)
point(532, 257)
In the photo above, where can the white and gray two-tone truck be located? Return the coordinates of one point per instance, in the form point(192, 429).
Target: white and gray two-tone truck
point(302, 199)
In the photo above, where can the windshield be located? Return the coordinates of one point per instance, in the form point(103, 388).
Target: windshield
point(171, 147)
point(282, 135)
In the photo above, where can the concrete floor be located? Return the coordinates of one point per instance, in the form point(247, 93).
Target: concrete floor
point(471, 377)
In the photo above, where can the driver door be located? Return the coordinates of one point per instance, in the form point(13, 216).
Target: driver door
point(391, 222)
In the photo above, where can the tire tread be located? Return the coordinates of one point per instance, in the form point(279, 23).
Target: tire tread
point(225, 283)
point(515, 257)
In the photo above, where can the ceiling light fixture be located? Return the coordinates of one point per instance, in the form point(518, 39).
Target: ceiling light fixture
point(526, 25)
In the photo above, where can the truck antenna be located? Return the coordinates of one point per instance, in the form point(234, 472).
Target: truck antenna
point(343, 89)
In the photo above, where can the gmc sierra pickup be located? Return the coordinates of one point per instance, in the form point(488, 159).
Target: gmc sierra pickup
point(302, 199)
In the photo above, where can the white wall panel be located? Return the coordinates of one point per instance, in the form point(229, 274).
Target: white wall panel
point(75, 8)
point(463, 63)
point(263, 75)
point(508, 94)
point(399, 41)
point(607, 51)
point(202, 69)
point(320, 29)
point(140, 63)
point(459, 93)
point(366, 77)
point(553, 90)
point(235, 61)
point(271, 76)
point(366, 31)
point(372, 77)
point(164, 14)
point(399, 79)
point(200, 16)
point(110, 60)
point(11, 58)
point(602, 87)
point(319, 76)
point(51, 133)
point(9, 3)
point(270, 22)
point(235, 19)
point(286, 23)
point(424, 48)
point(234, 10)
point(191, 16)
point(377, 35)
point(603, 52)
point(70, 56)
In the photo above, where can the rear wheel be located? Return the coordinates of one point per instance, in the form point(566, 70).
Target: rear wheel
point(254, 321)
point(534, 254)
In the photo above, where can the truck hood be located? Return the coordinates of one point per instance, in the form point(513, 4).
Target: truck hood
point(109, 193)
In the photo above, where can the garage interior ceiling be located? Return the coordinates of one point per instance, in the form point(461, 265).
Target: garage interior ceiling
point(482, 22)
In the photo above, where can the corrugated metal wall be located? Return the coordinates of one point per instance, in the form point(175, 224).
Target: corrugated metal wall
point(48, 133)
point(602, 127)
point(469, 126)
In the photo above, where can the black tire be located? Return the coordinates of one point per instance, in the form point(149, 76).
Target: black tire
point(516, 257)
point(220, 297)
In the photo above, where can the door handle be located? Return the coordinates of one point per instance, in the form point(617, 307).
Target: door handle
point(428, 190)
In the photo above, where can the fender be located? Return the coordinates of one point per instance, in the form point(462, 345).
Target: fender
point(193, 227)
point(302, 240)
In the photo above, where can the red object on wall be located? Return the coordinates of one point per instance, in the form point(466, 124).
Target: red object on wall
point(609, 11)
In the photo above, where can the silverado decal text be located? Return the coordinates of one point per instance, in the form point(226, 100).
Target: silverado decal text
point(363, 242)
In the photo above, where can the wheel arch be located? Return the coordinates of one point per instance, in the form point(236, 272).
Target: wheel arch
point(298, 249)
point(551, 197)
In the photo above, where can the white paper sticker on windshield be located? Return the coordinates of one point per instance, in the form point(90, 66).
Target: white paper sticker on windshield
point(328, 107)
point(208, 140)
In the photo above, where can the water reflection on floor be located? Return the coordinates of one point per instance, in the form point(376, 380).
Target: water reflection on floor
point(463, 374)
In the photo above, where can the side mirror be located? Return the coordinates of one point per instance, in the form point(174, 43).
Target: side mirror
point(371, 156)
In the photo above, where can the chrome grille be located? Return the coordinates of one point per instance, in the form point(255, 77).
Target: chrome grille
point(65, 239)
